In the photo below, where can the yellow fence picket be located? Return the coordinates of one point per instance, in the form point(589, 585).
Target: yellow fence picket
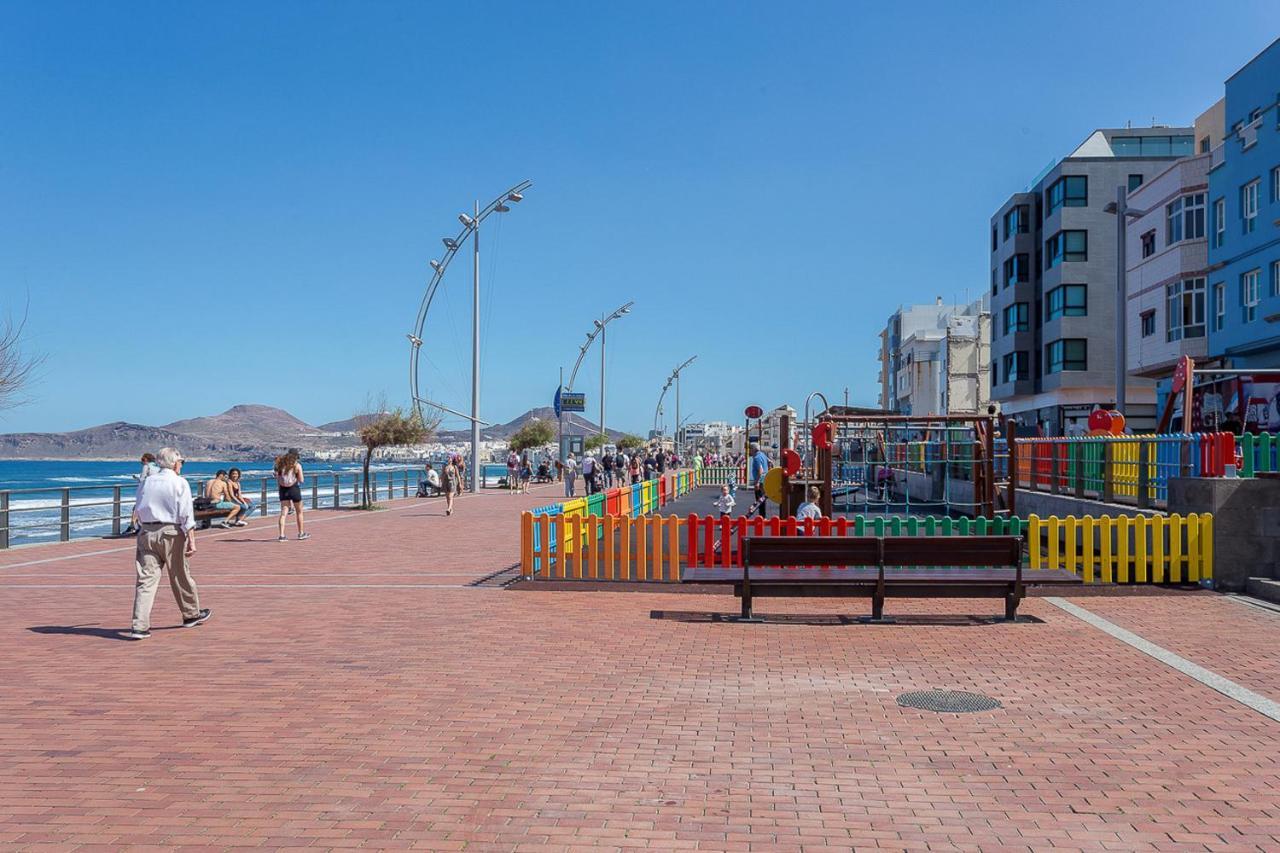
point(1033, 540)
point(1193, 547)
point(1140, 548)
point(1104, 533)
point(1176, 574)
point(1086, 548)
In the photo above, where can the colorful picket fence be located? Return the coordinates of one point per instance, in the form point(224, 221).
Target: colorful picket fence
point(1259, 454)
point(1130, 469)
point(721, 475)
point(1123, 549)
point(1168, 549)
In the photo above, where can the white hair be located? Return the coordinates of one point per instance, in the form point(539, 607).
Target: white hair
point(167, 457)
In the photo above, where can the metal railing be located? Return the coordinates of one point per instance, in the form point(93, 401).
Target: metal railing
point(67, 512)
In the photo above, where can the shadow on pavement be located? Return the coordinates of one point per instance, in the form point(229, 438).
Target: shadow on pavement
point(84, 631)
point(945, 620)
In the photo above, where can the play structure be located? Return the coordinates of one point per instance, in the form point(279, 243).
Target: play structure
point(1203, 399)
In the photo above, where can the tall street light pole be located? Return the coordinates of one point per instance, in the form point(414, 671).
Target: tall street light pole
point(1123, 213)
point(674, 377)
point(598, 327)
point(475, 352)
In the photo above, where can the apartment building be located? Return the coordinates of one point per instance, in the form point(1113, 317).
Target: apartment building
point(1053, 282)
point(1167, 260)
point(1244, 221)
point(933, 359)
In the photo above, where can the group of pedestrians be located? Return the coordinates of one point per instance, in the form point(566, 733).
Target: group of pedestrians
point(610, 470)
point(519, 472)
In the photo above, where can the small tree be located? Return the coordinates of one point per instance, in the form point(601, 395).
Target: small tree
point(15, 367)
point(390, 429)
point(630, 442)
point(535, 433)
point(595, 441)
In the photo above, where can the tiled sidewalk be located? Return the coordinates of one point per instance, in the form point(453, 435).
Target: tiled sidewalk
point(354, 691)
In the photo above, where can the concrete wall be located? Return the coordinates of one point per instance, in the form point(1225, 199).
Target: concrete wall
point(1246, 525)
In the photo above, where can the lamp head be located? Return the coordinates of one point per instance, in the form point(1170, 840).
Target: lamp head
point(502, 208)
point(435, 265)
point(515, 197)
point(449, 243)
point(466, 221)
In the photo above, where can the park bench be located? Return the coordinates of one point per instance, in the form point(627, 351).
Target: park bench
point(879, 567)
point(204, 516)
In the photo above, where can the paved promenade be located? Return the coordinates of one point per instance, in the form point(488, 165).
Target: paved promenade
point(359, 690)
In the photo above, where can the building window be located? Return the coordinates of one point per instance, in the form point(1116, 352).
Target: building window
point(995, 240)
point(1017, 220)
point(1249, 206)
point(1066, 354)
point(1219, 306)
point(1135, 181)
point(1275, 278)
point(1066, 246)
point(1152, 146)
point(1185, 309)
point(1015, 318)
point(1149, 244)
point(1275, 182)
point(1249, 295)
point(1015, 269)
point(1204, 145)
point(1148, 323)
point(1184, 218)
point(995, 278)
point(1015, 366)
point(1067, 300)
point(1067, 191)
point(1219, 222)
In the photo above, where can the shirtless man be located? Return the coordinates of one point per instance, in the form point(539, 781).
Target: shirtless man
point(218, 491)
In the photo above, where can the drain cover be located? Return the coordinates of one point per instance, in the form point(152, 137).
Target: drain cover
point(947, 701)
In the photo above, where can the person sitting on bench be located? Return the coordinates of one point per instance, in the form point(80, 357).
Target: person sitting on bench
point(431, 485)
point(219, 492)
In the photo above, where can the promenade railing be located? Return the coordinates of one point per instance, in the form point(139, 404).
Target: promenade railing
point(63, 513)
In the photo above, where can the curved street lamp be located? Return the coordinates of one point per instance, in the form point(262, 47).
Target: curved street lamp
point(597, 330)
point(470, 229)
point(674, 378)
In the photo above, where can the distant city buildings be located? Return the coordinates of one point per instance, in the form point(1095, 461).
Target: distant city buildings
point(933, 359)
point(1053, 253)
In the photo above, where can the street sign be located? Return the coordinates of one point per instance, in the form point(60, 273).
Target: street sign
point(573, 401)
point(754, 412)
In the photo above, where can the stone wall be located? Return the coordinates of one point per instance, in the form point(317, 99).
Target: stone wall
point(1246, 525)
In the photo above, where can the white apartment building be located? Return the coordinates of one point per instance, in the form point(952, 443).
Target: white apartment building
point(933, 359)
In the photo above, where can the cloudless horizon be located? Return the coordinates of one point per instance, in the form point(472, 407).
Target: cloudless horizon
point(236, 203)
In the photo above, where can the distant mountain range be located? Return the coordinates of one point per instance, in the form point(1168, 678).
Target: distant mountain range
point(245, 431)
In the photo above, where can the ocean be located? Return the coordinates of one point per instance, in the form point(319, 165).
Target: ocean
point(37, 490)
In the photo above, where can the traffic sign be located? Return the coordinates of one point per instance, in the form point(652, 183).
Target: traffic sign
point(754, 412)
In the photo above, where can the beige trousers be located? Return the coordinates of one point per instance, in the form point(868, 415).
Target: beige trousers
point(162, 546)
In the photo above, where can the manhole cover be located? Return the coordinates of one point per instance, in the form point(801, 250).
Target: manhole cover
point(947, 701)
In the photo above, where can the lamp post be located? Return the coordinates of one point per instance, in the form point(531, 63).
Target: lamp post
point(674, 378)
point(597, 330)
point(470, 229)
point(1123, 213)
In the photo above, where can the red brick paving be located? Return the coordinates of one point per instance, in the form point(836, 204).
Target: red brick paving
point(404, 710)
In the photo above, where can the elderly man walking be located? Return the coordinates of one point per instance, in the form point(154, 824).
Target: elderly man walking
point(166, 538)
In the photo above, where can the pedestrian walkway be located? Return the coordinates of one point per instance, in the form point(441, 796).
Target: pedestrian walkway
point(359, 690)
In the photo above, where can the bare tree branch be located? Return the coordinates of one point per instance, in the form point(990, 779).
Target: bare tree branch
point(16, 367)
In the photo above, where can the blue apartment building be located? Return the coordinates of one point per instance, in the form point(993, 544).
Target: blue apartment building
point(1243, 310)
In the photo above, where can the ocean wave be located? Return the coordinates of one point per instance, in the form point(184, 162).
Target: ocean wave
point(109, 480)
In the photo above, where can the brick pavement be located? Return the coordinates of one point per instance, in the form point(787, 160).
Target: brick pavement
point(352, 691)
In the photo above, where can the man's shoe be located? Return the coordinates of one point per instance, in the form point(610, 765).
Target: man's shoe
point(202, 616)
point(139, 635)
point(282, 538)
point(302, 536)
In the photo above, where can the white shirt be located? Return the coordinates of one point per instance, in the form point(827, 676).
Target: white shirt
point(165, 498)
point(570, 467)
point(433, 477)
point(588, 465)
point(725, 503)
point(808, 510)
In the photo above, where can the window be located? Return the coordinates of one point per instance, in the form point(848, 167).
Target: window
point(1148, 323)
point(1152, 146)
point(1015, 366)
point(1184, 218)
point(1015, 269)
point(1017, 220)
point(1204, 145)
point(1219, 306)
point(1249, 206)
point(1275, 182)
point(1067, 191)
point(1249, 296)
point(1185, 309)
point(1149, 244)
point(1067, 300)
point(1015, 318)
point(995, 240)
point(1066, 354)
point(995, 374)
point(1275, 278)
point(1219, 222)
point(1135, 181)
point(1066, 246)
point(995, 278)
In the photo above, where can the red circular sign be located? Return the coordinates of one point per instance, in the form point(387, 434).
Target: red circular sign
point(791, 462)
point(754, 412)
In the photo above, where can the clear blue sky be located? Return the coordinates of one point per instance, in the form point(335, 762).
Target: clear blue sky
point(209, 204)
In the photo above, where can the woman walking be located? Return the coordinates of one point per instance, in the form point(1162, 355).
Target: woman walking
point(452, 482)
point(526, 472)
point(289, 478)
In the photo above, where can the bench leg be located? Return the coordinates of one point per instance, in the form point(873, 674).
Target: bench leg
point(877, 610)
point(746, 614)
point(1011, 602)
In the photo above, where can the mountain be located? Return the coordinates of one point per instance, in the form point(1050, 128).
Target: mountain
point(498, 432)
point(349, 425)
point(253, 424)
point(119, 440)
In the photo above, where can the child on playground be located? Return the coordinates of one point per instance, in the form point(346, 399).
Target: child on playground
point(810, 508)
point(725, 502)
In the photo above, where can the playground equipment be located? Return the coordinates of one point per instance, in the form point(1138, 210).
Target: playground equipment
point(1212, 397)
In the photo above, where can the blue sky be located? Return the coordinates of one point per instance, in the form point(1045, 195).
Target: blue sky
point(204, 205)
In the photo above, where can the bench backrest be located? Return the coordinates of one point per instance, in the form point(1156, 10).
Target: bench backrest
point(974, 551)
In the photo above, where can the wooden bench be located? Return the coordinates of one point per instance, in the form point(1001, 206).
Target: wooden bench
point(204, 518)
point(879, 567)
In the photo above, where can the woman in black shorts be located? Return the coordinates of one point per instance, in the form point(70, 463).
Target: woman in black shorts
point(289, 478)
